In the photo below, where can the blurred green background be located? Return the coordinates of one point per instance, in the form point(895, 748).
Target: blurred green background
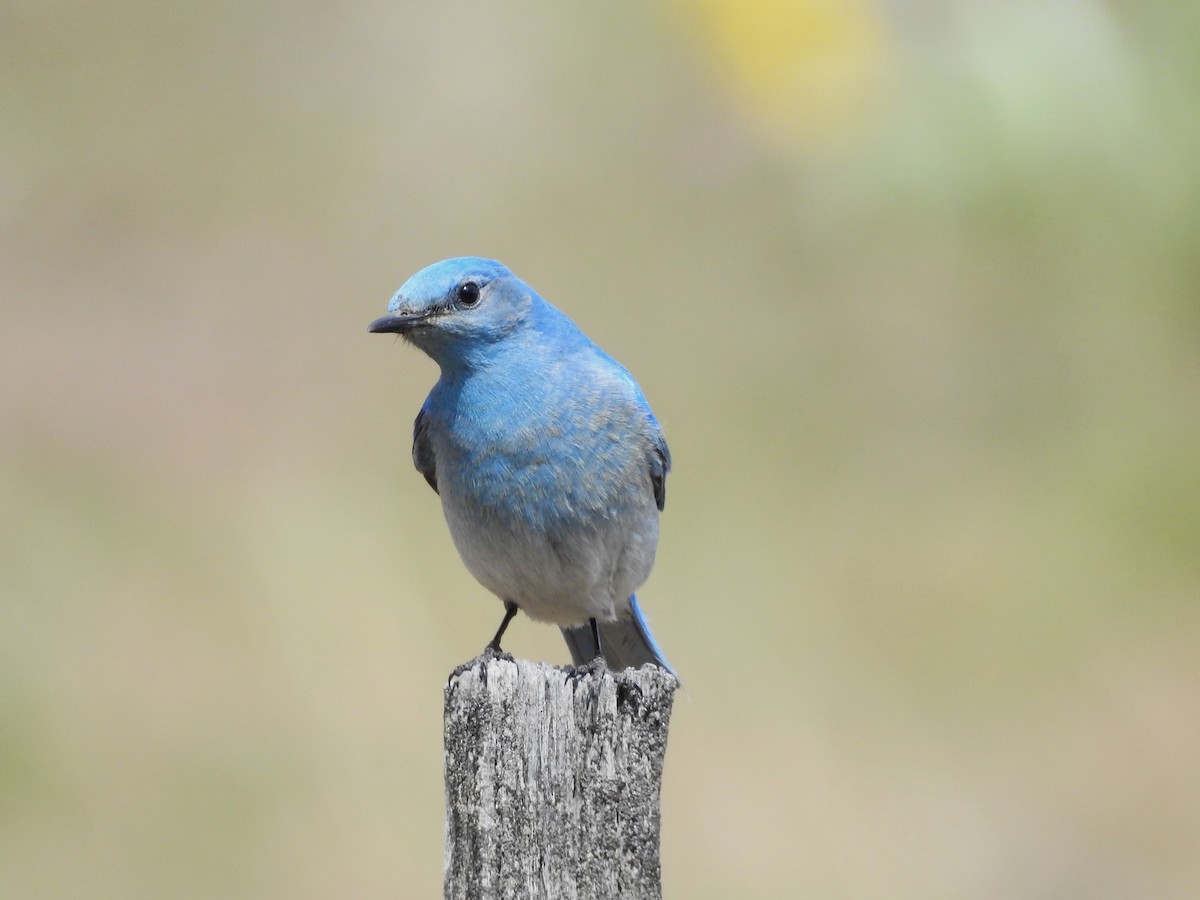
point(913, 288)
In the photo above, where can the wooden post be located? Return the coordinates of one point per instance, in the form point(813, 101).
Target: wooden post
point(552, 780)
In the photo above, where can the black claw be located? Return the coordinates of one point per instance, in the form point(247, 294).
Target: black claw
point(459, 669)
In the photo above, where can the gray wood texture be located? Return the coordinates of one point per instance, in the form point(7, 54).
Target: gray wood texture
point(553, 777)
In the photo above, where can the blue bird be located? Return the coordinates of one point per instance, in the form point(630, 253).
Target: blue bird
point(550, 465)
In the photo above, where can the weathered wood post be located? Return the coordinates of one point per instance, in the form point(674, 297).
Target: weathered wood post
point(553, 778)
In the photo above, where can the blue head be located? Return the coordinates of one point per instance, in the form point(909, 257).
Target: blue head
point(455, 309)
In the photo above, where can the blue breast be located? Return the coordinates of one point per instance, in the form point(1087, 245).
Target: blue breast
point(539, 445)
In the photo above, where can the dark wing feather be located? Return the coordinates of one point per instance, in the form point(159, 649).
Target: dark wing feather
point(422, 451)
point(660, 465)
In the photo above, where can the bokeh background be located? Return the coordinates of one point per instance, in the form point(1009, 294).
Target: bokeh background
point(912, 286)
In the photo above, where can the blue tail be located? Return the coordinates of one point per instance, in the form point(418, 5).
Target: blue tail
point(626, 643)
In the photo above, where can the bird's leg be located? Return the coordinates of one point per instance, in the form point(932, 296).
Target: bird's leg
point(510, 610)
point(596, 639)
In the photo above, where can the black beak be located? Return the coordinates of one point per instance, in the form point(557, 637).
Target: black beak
point(397, 324)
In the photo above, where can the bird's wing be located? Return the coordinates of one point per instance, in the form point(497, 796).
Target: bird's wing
point(422, 451)
point(658, 457)
point(660, 461)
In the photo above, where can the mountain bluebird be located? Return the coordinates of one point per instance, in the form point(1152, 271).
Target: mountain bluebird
point(550, 465)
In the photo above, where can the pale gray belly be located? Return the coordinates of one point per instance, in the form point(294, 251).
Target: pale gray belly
point(565, 575)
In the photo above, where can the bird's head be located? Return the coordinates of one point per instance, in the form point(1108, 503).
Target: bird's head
point(457, 308)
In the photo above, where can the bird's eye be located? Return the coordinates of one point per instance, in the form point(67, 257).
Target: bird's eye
point(468, 294)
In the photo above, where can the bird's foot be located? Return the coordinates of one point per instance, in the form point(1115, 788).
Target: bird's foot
point(493, 651)
point(597, 666)
point(489, 653)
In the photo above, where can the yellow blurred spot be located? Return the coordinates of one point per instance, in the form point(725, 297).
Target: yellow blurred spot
point(806, 69)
